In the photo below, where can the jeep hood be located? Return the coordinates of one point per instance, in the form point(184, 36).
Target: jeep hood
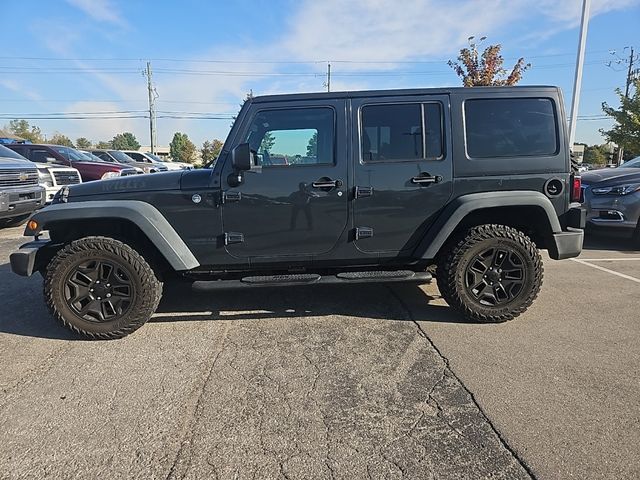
point(151, 182)
point(611, 176)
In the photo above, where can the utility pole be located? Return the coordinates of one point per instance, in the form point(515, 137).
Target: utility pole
point(577, 84)
point(152, 108)
point(328, 76)
point(629, 75)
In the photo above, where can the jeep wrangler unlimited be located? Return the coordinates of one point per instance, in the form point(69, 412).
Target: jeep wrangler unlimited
point(372, 186)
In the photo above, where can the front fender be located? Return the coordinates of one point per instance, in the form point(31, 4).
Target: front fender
point(150, 221)
point(462, 206)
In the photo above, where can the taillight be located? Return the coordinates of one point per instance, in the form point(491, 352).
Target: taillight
point(576, 188)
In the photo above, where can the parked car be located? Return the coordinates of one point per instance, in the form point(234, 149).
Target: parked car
point(611, 197)
point(155, 160)
point(463, 179)
point(172, 164)
point(54, 177)
point(116, 156)
point(20, 193)
point(59, 155)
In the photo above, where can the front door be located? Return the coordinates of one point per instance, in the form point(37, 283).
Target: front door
point(403, 170)
point(295, 204)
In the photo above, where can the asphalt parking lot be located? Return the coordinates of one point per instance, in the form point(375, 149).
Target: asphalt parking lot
point(360, 382)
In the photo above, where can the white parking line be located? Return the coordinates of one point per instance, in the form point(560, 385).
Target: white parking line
point(612, 272)
point(616, 259)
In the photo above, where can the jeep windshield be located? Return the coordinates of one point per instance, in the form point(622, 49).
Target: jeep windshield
point(73, 155)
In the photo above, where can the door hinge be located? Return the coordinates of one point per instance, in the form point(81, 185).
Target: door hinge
point(363, 232)
point(230, 196)
point(233, 237)
point(361, 192)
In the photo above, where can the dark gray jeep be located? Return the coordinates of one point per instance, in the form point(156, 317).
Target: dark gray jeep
point(373, 186)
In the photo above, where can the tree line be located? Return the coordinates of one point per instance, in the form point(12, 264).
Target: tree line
point(181, 148)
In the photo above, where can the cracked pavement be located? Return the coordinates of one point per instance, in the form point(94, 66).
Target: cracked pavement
point(319, 382)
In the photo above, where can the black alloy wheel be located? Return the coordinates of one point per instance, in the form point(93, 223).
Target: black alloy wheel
point(495, 276)
point(99, 290)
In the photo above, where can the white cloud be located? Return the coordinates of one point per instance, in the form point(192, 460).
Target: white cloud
point(20, 89)
point(100, 10)
point(99, 128)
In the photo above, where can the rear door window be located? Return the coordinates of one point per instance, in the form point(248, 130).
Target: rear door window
point(401, 132)
point(510, 127)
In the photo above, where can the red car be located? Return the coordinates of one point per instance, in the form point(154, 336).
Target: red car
point(89, 168)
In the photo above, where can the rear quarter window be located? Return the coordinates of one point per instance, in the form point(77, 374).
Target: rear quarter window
point(510, 127)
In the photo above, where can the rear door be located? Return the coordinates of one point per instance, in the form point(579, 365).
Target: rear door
point(402, 170)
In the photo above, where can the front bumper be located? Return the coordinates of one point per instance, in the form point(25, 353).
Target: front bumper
point(23, 261)
point(612, 212)
point(20, 201)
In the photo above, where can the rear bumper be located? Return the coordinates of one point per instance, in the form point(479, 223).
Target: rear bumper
point(23, 261)
point(568, 243)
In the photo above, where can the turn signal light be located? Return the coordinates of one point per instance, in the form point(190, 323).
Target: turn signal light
point(576, 188)
point(32, 225)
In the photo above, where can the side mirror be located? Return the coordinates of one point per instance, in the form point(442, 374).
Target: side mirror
point(241, 157)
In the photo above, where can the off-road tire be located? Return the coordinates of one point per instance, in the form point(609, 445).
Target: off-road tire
point(146, 288)
point(452, 270)
point(14, 222)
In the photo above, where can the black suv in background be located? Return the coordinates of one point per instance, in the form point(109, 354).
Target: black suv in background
point(20, 193)
point(373, 186)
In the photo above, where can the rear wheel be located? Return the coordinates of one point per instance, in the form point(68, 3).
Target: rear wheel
point(493, 274)
point(101, 288)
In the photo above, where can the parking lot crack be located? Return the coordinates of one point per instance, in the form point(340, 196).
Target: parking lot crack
point(450, 371)
point(196, 411)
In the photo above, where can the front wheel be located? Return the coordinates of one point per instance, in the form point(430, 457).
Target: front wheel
point(101, 288)
point(493, 274)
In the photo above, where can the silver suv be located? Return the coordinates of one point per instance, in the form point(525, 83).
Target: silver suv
point(20, 193)
point(612, 198)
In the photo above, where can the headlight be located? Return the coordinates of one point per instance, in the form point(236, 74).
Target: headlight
point(617, 190)
point(110, 175)
point(44, 178)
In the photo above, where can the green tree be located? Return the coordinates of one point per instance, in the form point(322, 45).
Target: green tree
point(596, 155)
point(182, 149)
point(211, 150)
point(312, 146)
point(487, 69)
point(125, 141)
point(60, 139)
point(626, 131)
point(267, 142)
point(83, 143)
point(104, 145)
point(22, 129)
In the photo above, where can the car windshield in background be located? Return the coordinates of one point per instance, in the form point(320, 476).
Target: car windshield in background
point(92, 157)
point(156, 158)
point(8, 153)
point(634, 163)
point(73, 155)
point(121, 156)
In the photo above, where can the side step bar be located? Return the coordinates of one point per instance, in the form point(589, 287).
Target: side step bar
point(314, 279)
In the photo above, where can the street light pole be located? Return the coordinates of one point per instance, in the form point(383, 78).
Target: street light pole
point(577, 84)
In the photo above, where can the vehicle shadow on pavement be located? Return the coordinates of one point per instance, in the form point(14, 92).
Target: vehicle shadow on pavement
point(599, 241)
point(22, 310)
point(371, 301)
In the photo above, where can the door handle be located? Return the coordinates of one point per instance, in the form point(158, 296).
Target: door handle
point(327, 183)
point(426, 178)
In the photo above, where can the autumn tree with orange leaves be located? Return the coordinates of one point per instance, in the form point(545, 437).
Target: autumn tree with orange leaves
point(487, 69)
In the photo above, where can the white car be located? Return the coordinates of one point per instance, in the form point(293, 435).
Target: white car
point(53, 178)
point(154, 159)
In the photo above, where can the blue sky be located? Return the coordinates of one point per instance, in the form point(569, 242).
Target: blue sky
point(85, 57)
